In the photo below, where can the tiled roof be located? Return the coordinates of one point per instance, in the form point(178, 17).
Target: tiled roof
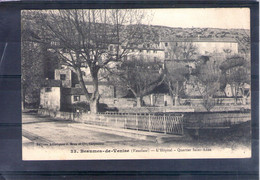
point(142, 48)
point(72, 91)
point(198, 40)
point(99, 83)
point(52, 83)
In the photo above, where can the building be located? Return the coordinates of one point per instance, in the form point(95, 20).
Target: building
point(198, 46)
point(64, 91)
point(147, 52)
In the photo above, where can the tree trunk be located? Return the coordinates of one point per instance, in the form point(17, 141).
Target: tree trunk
point(176, 97)
point(95, 95)
point(176, 101)
point(93, 100)
point(139, 101)
point(94, 106)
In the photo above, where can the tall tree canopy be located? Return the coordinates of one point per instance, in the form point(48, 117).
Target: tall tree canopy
point(206, 79)
point(92, 39)
point(139, 77)
point(236, 73)
point(177, 73)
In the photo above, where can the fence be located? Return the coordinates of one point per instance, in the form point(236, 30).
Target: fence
point(168, 124)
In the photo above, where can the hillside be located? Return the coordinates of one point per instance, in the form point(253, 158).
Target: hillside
point(242, 36)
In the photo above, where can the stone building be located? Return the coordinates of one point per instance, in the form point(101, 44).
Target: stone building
point(63, 91)
point(201, 46)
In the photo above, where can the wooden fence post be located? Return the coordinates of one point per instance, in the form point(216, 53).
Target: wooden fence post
point(164, 123)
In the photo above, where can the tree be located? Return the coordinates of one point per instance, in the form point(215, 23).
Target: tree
point(177, 73)
point(32, 57)
point(206, 80)
point(236, 73)
point(182, 50)
point(137, 76)
point(92, 39)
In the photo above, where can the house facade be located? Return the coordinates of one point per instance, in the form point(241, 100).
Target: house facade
point(64, 90)
point(200, 46)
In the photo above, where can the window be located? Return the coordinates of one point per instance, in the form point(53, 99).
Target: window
point(147, 51)
point(48, 89)
point(141, 50)
point(166, 44)
point(148, 45)
point(76, 98)
point(166, 54)
point(111, 48)
point(154, 51)
point(62, 76)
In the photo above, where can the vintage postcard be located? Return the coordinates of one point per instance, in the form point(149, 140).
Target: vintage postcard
point(169, 83)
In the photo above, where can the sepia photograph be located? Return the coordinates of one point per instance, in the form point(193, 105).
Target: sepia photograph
point(166, 83)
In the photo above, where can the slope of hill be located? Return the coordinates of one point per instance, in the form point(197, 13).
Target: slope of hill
point(242, 36)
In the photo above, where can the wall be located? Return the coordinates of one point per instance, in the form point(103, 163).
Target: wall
point(191, 119)
point(119, 102)
point(205, 48)
point(68, 81)
point(216, 47)
point(219, 101)
point(147, 55)
point(50, 100)
point(104, 90)
point(158, 100)
point(215, 119)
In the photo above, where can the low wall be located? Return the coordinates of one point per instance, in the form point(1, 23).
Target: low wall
point(58, 114)
point(218, 101)
point(191, 119)
point(215, 119)
point(118, 102)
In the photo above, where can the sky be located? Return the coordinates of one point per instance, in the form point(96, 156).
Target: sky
point(228, 18)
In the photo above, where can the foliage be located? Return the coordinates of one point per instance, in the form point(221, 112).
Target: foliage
point(182, 50)
point(177, 73)
point(206, 79)
point(137, 76)
point(86, 38)
point(235, 72)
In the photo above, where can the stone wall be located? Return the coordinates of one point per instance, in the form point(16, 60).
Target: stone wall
point(50, 98)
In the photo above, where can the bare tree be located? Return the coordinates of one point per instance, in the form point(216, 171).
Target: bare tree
point(93, 39)
point(182, 50)
point(177, 73)
point(139, 77)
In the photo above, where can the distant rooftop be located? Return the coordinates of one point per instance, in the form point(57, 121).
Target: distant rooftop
point(198, 39)
point(73, 91)
point(52, 83)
